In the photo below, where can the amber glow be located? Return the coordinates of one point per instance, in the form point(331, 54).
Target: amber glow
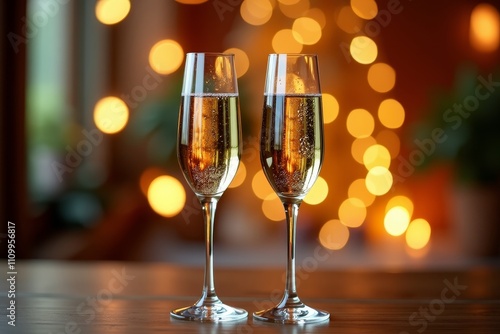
point(284, 42)
point(240, 176)
point(241, 61)
point(357, 189)
point(191, 2)
point(485, 28)
point(148, 176)
point(366, 9)
point(390, 140)
point(256, 12)
point(318, 15)
point(289, 2)
point(381, 77)
point(391, 113)
point(401, 201)
point(333, 235)
point(330, 108)
point(166, 196)
point(261, 186)
point(273, 208)
point(363, 49)
point(295, 9)
point(111, 114)
point(360, 123)
point(166, 56)
point(418, 234)
point(378, 180)
point(359, 146)
point(306, 30)
point(318, 192)
point(376, 155)
point(111, 11)
point(396, 221)
point(352, 212)
point(348, 21)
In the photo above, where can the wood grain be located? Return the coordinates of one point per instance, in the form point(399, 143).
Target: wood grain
point(115, 297)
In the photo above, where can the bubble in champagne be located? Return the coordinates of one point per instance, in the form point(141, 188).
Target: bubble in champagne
point(306, 146)
point(207, 180)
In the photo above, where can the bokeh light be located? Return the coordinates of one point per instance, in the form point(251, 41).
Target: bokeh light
point(166, 56)
point(318, 15)
point(330, 108)
point(418, 233)
point(391, 113)
point(256, 12)
point(366, 9)
point(261, 186)
point(485, 28)
point(357, 189)
point(284, 42)
point(333, 235)
point(306, 30)
point(352, 212)
point(293, 9)
point(401, 201)
point(241, 61)
point(359, 146)
point(396, 221)
point(240, 176)
point(318, 192)
point(390, 140)
point(381, 77)
point(111, 114)
point(289, 2)
point(348, 21)
point(166, 196)
point(111, 11)
point(360, 123)
point(191, 2)
point(147, 176)
point(363, 49)
point(378, 180)
point(273, 208)
point(376, 155)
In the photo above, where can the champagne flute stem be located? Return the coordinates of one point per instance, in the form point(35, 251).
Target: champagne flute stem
point(208, 206)
point(291, 211)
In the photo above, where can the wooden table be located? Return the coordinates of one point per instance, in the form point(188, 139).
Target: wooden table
point(113, 297)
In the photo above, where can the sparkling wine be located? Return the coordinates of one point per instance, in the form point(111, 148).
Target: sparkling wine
point(209, 136)
point(292, 143)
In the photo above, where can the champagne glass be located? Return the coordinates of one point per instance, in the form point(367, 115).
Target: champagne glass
point(291, 154)
point(209, 151)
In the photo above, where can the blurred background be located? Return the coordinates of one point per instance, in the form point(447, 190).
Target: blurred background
point(411, 99)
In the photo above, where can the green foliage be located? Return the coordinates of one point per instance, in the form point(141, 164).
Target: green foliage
point(469, 115)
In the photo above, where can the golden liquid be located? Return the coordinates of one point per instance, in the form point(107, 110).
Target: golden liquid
point(292, 143)
point(209, 141)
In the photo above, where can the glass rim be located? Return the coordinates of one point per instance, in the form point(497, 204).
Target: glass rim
point(295, 54)
point(219, 54)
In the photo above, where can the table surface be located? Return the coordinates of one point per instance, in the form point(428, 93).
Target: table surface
point(122, 297)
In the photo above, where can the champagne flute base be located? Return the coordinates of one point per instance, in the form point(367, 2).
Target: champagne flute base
point(216, 312)
point(300, 314)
